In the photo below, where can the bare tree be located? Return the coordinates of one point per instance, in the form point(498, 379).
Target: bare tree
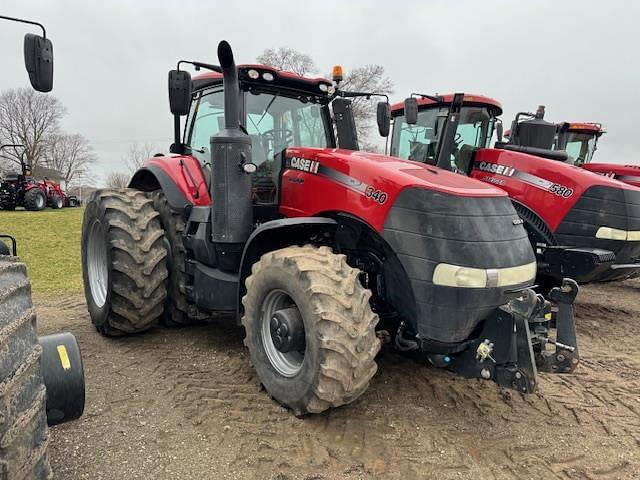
point(117, 180)
point(71, 155)
point(368, 78)
point(137, 154)
point(285, 58)
point(28, 118)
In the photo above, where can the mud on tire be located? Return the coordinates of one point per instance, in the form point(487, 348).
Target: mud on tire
point(339, 327)
point(177, 310)
point(23, 426)
point(123, 261)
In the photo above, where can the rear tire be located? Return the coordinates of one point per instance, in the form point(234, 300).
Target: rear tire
point(177, 311)
point(35, 200)
point(123, 261)
point(23, 430)
point(334, 361)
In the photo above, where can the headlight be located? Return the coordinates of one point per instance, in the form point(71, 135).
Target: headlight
point(469, 277)
point(609, 233)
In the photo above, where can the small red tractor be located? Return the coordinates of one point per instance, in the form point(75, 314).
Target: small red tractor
point(582, 225)
point(21, 189)
point(41, 378)
point(318, 251)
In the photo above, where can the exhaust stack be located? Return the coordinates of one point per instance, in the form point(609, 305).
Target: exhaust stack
point(232, 215)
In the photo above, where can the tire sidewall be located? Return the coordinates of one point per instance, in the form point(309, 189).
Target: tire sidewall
point(295, 392)
point(95, 213)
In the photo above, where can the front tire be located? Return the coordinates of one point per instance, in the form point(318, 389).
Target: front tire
point(56, 202)
point(330, 362)
point(23, 429)
point(123, 261)
point(35, 200)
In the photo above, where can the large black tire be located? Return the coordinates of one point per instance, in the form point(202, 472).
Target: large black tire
point(56, 201)
point(121, 231)
point(177, 310)
point(340, 342)
point(35, 200)
point(23, 421)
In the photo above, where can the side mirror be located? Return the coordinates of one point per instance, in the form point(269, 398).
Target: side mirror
point(499, 131)
point(383, 116)
point(38, 59)
point(411, 110)
point(180, 88)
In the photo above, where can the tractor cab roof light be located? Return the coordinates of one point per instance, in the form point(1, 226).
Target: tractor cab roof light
point(337, 74)
point(253, 74)
point(268, 76)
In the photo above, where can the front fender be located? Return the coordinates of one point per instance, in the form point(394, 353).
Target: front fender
point(278, 234)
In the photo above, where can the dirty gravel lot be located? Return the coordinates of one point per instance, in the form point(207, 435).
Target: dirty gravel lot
point(186, 404)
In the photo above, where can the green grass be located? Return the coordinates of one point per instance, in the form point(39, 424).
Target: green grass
point(49, 243)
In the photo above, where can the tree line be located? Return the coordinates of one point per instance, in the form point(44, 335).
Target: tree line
point(33, 120)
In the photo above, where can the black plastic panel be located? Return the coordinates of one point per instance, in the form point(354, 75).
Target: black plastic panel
point(609, 207)
point(425, 228)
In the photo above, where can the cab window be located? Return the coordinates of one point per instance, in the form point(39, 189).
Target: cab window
point(206, 118)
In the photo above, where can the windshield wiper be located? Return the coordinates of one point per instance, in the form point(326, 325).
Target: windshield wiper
point(268, 107)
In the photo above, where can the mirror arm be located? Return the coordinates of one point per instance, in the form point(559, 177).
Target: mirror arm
point(435, 98)
point(199, 65)
point(20, 20)
point(368, 95)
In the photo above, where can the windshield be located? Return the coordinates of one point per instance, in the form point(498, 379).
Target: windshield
point(580, 147)
point(420, 142)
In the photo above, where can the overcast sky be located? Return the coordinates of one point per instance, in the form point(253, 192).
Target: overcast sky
point(580, 58)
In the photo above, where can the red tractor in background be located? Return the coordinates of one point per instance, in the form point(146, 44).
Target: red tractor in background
point(317, 251)
point(21, 189)
point(582, 225)
point(580, 141)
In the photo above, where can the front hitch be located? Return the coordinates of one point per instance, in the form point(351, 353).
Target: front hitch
point(511, 348)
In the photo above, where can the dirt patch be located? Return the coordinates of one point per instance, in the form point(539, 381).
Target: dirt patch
point(187, 404)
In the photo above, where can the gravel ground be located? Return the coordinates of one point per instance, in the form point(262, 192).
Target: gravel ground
point(186, 404)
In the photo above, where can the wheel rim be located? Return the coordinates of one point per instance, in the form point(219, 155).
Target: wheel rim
point(39, 201)
point(97, 265)
point(287, 364)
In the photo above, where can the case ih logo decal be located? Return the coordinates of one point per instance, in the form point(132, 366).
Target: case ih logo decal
point(303, 164)
point(496, 168)
point(316, 168)
point(507, 171)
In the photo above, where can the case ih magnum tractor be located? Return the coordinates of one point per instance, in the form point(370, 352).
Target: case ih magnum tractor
point(41, 378)
point(576, 220)
point(318, 251)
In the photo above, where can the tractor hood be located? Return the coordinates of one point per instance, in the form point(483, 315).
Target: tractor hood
point(364, 184)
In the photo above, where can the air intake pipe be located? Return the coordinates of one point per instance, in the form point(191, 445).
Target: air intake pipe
point(232, 215)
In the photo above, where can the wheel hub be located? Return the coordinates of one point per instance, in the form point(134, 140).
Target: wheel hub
point(287, 330)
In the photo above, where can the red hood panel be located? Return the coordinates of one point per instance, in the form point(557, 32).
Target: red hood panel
point(362, 184)
point(548, 187)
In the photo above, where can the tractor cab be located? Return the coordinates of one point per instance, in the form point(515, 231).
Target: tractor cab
point(579, 140)
point(422, 137)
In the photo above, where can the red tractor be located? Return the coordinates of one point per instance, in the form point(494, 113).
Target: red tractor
point(580, 141)
point(21, 189)
point(582, 225)
point(56, 198)
point(318, 251)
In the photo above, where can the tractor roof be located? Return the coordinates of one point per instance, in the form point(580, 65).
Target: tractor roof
point(586, 127)
point(318, 85)
point(469, 99)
